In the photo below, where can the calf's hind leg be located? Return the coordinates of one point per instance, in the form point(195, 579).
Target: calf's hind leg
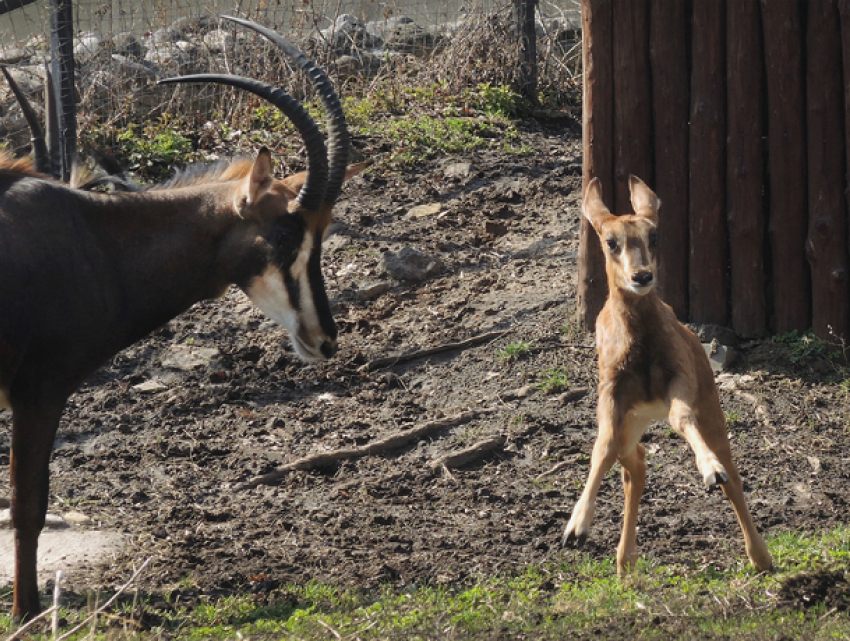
point(634, 479)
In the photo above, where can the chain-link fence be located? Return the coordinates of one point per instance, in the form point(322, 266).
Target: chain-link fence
point(122, 47)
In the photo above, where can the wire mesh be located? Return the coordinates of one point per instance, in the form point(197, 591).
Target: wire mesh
point(121, 48)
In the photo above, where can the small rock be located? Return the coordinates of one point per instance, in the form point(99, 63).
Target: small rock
point(188, 357)
point(411, 265)
point(55, 522)
point(425, 211)
point(76, 518)
point(5, 519)
point(149, 387)
point(520, 392)
point(571, 396)
point(720, 357)
point(457, 170)
point(373, 290)
point(12, 55)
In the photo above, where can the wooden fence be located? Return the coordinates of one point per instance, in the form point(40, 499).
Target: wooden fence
point(737, 112)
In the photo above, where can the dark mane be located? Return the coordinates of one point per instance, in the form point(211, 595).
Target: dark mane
point(202, 174)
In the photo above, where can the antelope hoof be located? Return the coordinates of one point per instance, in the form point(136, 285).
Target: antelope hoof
point(573, 540)
point(716, 478)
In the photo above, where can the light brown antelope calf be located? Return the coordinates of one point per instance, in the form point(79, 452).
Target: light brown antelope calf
point(651, 367)
point(83, 275)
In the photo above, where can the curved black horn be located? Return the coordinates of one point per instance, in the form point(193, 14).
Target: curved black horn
point(338, 141)
point(39, 145)
point(313, 190)
point(325, 173)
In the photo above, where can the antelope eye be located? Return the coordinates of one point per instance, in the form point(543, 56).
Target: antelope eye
point(612, 244)
point(653, 239)
point(286, 238)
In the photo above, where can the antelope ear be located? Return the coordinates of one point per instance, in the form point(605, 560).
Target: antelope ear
point(261, 179)
point(644, 200)
point(295, 181)
point(592, 207)
point(257, 183)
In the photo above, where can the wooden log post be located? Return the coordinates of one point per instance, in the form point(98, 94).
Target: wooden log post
point(597, 148)
point(524, 23)
point(844, 13)
point(826, 245)
point(783, 51)
point(707, 147)
point(745, 169)
point(632, 99)
point(670, 99)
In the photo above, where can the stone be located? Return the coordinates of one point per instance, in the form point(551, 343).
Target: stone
point(188, 357)
point(425, 211)
point(411, 265)
point(149, 387)
point(720, 356)
point(373, 290)
point(76, 518)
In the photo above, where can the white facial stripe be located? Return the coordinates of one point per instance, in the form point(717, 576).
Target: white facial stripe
point(268, 293)
point(299, 267)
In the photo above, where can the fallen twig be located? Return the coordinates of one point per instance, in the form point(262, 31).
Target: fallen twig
point(554, 470)
point(16, 635)
point(109, 602)
point(393, 441)
point(430, 351)
point(471, 453)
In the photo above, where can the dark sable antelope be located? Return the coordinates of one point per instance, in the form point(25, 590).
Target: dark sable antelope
point(651, 367)
point(83, 275)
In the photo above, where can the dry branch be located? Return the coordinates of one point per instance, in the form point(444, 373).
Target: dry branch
point(430, 351)
point(393, 441)
point(470, 454)
point(109, 602)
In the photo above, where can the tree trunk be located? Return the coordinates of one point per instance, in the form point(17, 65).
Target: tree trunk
point(707, 265)
point(826, 245)
point(786, 94)
point(633, 95)
point(745, 169)
point(598, 145)
point(670, 97)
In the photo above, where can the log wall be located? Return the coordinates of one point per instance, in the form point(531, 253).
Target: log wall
point(737, 113)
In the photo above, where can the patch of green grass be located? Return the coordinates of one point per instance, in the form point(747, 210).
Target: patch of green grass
point(419, 123)
point(806, 346)
point(514, 351)
point(578, 597)
point(733, 417)
point(553, 380)
point(154, 149)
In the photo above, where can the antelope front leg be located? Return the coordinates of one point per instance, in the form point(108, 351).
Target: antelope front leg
point(684, 422)
point(32, 440)
point(603, 457)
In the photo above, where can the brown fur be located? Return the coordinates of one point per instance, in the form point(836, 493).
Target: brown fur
point(19, 166)
point(650, 367)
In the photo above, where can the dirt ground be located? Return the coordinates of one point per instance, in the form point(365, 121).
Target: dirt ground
point(156, 444)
